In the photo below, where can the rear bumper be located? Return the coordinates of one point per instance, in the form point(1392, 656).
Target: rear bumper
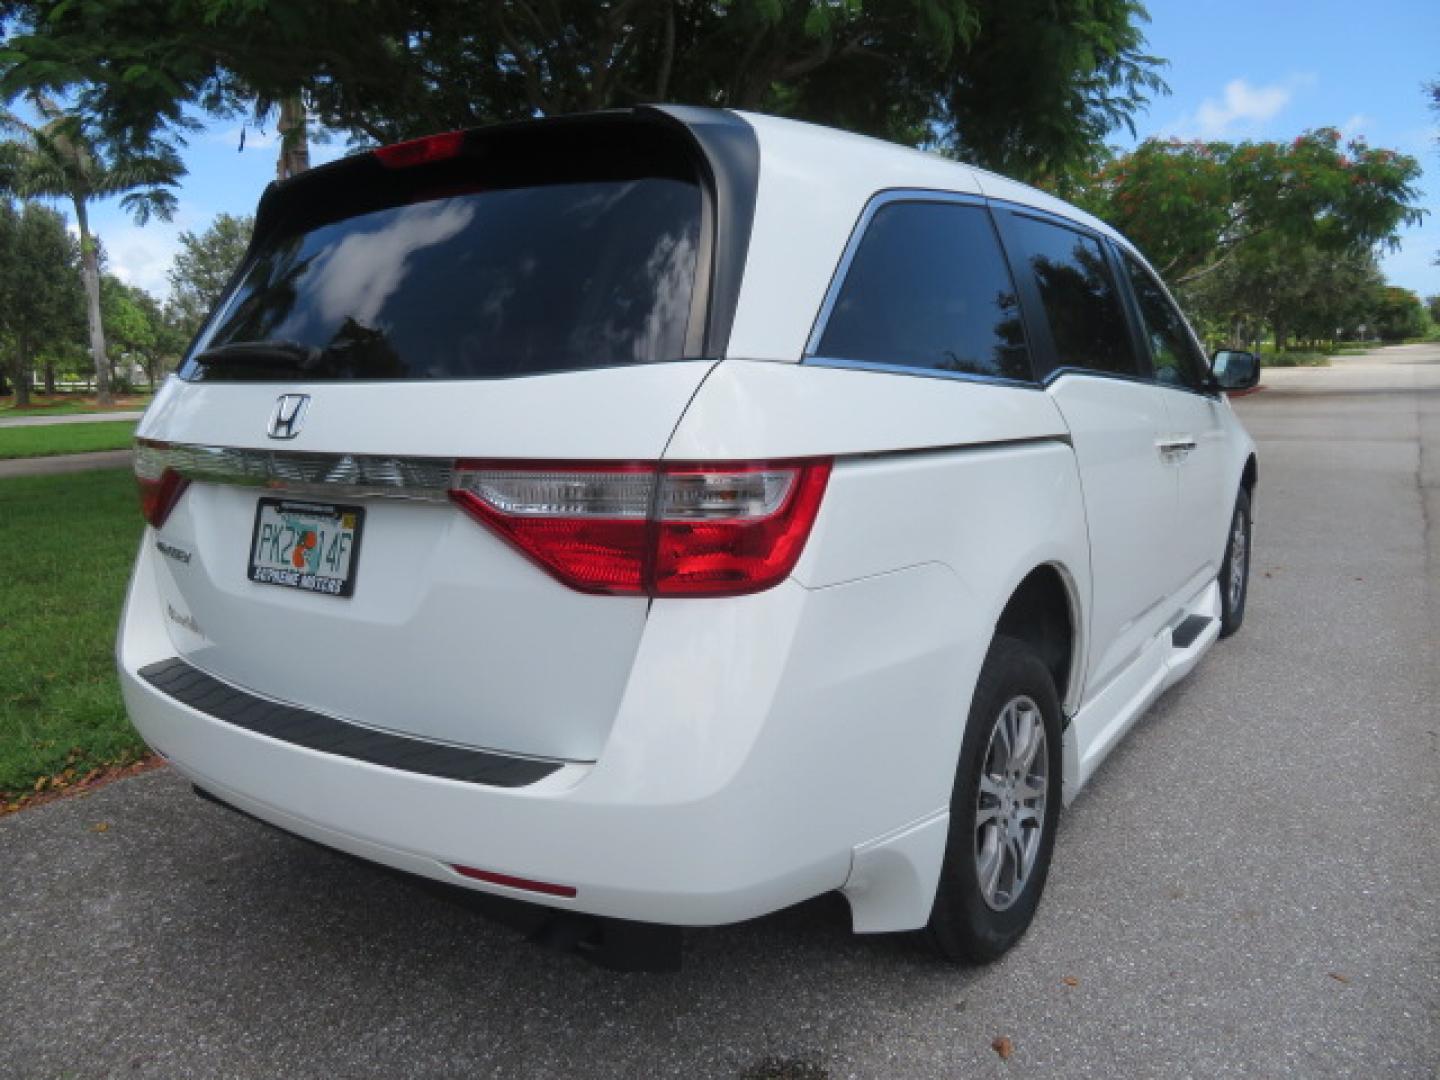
point(767, 749)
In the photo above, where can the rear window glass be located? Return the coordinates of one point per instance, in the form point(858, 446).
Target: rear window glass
point(523, 276)
point(929, 288)
point(1079, 295)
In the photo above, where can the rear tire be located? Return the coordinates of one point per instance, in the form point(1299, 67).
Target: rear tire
point(1235, 568)
point(1003, 810)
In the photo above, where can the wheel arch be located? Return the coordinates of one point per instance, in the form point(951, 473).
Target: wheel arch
point(1043, 610)
point(1250, 475)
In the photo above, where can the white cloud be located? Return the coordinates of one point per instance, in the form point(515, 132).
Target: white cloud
point(142, 256)
point(137, 255)
point(1241, 107)
point(1355, 127)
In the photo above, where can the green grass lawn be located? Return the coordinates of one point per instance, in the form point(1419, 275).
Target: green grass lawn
point(70, 404)
point(1294, 358)
point(66, 544)
point(42, 441)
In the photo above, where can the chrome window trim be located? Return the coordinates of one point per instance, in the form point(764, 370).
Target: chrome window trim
point(886, 368)
point(1113, 376)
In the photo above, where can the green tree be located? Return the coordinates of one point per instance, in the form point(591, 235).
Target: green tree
point(40, 297)
point(1290, 286)
point(204, 264)
point(1399, 315)
point(63, 157)
point(1192, 206)
point(1031, 86)
point(128, 328)
point(168, 337)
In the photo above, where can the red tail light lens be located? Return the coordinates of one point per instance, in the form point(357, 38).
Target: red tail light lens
point(160, 486)
point(440, 147)
point(657, 530)
point(736, 529)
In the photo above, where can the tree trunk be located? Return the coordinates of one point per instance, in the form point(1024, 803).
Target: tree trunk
point(90, 274)
point(294, 139)
point(50, 376)
point(22, 374)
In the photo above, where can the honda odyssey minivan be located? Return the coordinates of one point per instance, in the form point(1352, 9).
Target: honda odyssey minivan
point(673, 514)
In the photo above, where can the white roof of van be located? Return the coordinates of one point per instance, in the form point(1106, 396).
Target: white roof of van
point(814, 185)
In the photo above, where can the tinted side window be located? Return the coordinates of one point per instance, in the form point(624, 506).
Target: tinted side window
point(929, 287)
point(1176, 359)
point(1078, 293)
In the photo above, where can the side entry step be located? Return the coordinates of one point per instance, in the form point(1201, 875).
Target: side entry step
point(1184, 635)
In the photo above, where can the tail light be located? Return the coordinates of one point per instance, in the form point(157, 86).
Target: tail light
point(160, 485)
point(657, 530)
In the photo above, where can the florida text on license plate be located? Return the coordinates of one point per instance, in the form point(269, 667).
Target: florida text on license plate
point(302, 545)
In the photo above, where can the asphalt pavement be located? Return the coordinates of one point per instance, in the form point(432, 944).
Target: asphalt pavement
point(1250, 887)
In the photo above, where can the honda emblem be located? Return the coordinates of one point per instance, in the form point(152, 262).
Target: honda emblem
point(289, 414)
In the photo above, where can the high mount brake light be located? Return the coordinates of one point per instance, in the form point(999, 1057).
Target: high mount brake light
point(722, 529)
point(447, 144)
point(160, 485)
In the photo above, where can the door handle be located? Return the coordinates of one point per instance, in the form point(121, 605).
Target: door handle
point(1177, 449)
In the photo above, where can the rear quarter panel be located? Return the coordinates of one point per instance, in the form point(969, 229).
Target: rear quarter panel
point(973, 482)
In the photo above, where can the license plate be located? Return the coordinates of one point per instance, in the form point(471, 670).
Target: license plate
point(303, 545)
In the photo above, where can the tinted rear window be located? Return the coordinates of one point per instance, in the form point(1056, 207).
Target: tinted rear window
point(929, 288)
point(1077, 290)
point(484, 274)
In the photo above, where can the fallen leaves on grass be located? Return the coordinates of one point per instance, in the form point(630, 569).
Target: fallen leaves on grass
point(66, 782)
point(1003, 1046)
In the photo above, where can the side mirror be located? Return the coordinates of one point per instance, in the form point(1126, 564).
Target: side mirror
point(1235, 370)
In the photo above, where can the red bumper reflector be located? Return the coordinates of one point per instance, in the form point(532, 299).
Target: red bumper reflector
point(515, 882)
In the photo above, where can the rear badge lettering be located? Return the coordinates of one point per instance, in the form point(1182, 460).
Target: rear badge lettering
point(187, 621)
point(170, 551)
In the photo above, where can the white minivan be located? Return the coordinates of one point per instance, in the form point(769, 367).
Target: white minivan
point(673, 514)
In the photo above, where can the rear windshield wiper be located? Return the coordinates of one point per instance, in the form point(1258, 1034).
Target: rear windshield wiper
point(267, 354)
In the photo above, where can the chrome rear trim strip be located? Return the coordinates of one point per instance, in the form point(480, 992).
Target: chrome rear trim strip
point(426, 479)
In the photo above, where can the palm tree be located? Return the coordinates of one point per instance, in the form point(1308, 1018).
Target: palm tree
point(58, 158)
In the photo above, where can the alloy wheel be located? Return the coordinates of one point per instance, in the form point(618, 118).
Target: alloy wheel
point(1010, 805)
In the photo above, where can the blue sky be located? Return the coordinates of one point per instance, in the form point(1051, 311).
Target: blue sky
point(1239, 69)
